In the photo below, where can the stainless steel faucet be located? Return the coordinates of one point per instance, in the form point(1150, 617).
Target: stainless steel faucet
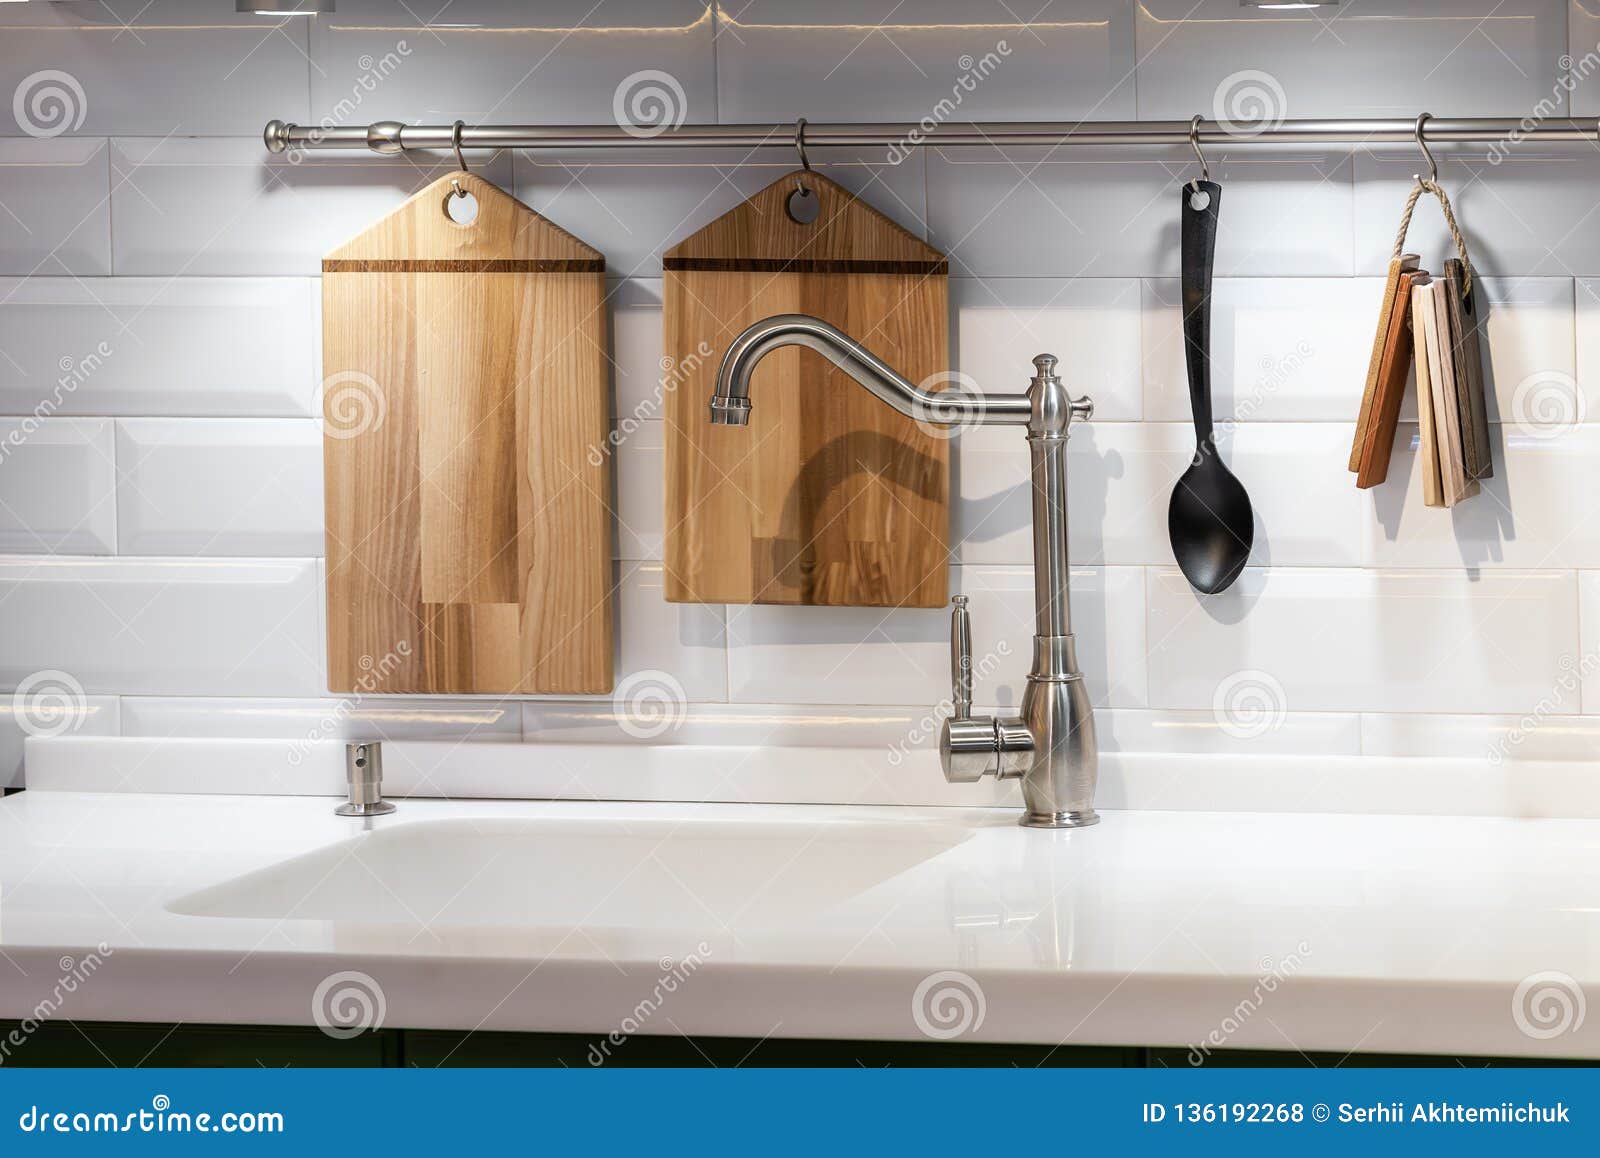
point(1050, 745)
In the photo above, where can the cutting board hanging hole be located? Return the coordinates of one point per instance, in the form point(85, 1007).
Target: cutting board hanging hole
point(803, 206)
point(461, 208)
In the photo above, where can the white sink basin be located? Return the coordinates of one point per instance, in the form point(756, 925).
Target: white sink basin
point(562, 873)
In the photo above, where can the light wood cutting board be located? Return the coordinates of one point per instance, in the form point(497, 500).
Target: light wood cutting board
point(828, 496)
point(465, 416)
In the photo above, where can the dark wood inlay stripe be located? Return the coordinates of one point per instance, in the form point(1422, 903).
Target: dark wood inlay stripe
point(478, 265)
point(802, 265)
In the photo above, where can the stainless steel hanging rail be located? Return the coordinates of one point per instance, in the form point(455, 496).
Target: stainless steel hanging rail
point(394, 137)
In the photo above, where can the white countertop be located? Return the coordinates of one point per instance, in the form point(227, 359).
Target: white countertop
point(1280, 931)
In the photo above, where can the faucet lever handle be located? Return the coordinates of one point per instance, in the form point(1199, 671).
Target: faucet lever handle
point(961, 659)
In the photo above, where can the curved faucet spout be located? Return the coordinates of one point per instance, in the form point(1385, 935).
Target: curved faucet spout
point(730, 401)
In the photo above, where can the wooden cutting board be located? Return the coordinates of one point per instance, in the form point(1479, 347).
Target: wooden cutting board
point(465, 411)
point(828, 496)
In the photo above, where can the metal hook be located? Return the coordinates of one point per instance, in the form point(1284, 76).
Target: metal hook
point(455, 143)
point(1194, 143)
point(805, 162)
point(1422, 143)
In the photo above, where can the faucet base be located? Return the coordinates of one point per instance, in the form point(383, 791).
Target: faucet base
point(381, 808)
point(1081, 819)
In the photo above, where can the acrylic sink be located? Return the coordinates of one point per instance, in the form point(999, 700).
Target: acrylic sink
point(566, 873)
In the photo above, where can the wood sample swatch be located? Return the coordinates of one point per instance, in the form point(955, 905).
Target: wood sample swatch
point(1432, 312)
point(828, 496)
point(465, 400)
point(1468, 355)
point(1393, 369)
point(1427, 432)
point(1391, 291)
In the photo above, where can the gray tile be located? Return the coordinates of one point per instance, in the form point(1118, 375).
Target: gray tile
point(133, 67)
point(634, 204)
point(1369, 58)
point(944, 60)
point(511, 62)
point(1086, 212)
point(225, 207)
point(55, 206)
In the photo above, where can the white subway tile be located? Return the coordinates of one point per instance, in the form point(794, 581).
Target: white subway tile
point(1583, 39)
point(637, 453)
point(1290, 733)
point(1305, 639)
point(183, 67)
point(511, 62)
point(352, 718)
point(856, 655)
point(55, 206)
point(1527, 350)
point(54, 708)
point(945, 60)
point(1588, 665)
point(1296, 349)
point(163, 626)
point(1376, 58)
point(1536, 735)
point(1091, 213)
point(219, 486)
point(1532, 214)
point(633, 204)
point(1537, 511)
point(678, 650)
point(1585, 368)
point(1283, 349)
point(1308, 511)
point(1090, 324)
point(636, 350)
point(57, 487)
point(224, 206)
point(158, 346)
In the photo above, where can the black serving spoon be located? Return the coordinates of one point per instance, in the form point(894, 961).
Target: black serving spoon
point(1209, 520)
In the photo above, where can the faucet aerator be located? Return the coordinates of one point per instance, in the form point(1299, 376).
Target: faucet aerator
point(730, 412)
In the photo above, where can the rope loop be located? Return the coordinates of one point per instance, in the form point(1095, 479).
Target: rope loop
point(1428, 185)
